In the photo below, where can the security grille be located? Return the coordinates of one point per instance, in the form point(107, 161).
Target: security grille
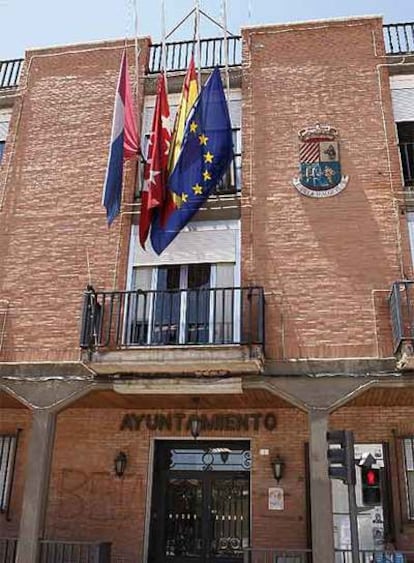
point(8, 446)
point(409, 473)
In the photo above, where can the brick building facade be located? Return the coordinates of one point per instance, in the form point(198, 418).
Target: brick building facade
point(300, 332)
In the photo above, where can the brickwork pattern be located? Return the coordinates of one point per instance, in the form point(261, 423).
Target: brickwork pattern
point(326, 265)
point(332, 260)
point(88, 502)
point(52, 221)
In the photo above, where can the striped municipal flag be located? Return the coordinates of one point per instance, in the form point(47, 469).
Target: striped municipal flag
point(124, 143)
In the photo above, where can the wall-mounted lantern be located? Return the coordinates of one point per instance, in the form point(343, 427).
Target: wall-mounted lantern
point(278, 466)
point(120, 463)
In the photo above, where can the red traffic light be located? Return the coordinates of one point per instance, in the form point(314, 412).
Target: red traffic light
point(371, 478)
point(371, 489)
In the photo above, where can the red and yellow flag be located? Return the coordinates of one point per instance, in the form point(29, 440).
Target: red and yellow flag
point(189, 95)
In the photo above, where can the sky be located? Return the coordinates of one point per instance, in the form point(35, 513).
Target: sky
point(26, 24)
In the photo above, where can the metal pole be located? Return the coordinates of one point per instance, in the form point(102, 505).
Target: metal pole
point(226, 61)
point(163, 41)
point(197, 17)
point(353, 514)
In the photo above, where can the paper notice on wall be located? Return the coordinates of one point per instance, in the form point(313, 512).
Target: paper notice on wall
point(276, 498)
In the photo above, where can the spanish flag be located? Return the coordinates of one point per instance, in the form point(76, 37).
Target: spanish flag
point(189, 95)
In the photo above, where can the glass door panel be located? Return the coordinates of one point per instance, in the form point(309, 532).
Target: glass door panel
point(229, 517)
point(166, 324)
point(183, 518)
point(198, 303)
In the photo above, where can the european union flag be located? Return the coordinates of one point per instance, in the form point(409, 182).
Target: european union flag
point(206, 153)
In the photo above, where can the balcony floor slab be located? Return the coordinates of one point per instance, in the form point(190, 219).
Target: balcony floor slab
point(200, 360)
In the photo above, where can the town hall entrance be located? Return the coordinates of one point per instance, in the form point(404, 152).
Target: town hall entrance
point(200, 508)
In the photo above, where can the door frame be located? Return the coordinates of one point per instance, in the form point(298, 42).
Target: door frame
point(150, 479)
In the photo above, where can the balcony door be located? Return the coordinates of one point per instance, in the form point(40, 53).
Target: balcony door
point(200, 503)
point(182, 304)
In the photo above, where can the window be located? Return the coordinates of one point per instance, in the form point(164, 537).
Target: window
point(184, 304)
point(409, 473)
point(406, 144)
point(8, 445)
point(231, 181)
point(190, 294)
point(4, 127)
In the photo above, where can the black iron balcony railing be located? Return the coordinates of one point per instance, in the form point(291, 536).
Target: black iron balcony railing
point(8, 549)
point(375, 556)
point(51, 551)
point(212, 53)
point(74, 552)
point(401, 302)
point(263, 555)
point(399, 38)
point(407, 162)
point(10, 73)
point(122, 319)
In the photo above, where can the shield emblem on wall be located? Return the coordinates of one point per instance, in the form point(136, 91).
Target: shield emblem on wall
point(319, 167)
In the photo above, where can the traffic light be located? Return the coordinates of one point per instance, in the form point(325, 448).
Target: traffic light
point(371, 490)
point(341, 455)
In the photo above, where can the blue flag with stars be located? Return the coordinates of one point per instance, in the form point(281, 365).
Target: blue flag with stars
point(206, 154)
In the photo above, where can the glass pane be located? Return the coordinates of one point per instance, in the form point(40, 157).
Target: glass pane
point(409, 451)
point(198, 303)
point(138, 305)
point(218, 459)
point(167, 306)
point(183, 518)
point(198, 276)
point(410, 485)
point(229, 516)
point(7, 447)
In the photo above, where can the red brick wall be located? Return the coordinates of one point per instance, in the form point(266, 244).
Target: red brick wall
point(376, 425)
point(326, 264)
point(10, 421)
point(52, 213)
point(87, 502)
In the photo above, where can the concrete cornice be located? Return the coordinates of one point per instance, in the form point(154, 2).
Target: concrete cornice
point(327, 367)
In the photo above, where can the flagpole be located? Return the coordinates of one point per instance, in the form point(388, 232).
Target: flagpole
point(225, 38)
point(197, 19)
point(163, 40)
point(137, 50)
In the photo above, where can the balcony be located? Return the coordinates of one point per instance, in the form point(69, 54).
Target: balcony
point(407, 163)
point(401, 302)
point(8, 549)
point(375, 556)
point(399, 38)
point(60, 551)
point(274, 555)
point(10, 73)
point(214, 330)
point(212, 53)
